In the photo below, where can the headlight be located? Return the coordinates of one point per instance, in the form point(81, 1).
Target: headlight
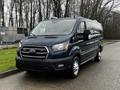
point(19, 45)
point(60, 47)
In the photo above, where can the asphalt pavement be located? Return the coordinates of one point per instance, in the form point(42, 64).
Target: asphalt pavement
point(104, 75)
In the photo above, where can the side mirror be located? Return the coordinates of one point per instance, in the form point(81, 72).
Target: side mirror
point(26, 34)
point(86, 34)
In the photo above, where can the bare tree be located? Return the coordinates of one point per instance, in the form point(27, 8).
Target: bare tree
point(26, 12)
point(67, 9)
point(34, 12)
point(48, 9)
point(29, 12)
point(11, 22)
point(16, 12)
point(39, 11)
point(21, 23)
point(57, 11)
point(3, 20)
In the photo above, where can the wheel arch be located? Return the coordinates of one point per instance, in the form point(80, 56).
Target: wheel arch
point(75, 51)
point(101, 48)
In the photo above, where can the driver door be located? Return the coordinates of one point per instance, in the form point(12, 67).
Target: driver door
point(85, 45)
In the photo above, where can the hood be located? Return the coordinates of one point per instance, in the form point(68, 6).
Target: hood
point(45, 40)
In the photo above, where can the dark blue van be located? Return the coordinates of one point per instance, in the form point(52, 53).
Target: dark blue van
point(60, 45)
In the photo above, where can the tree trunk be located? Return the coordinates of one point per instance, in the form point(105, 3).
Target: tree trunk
point(31, 25)
point(48, 9)
point(16, 16)
point(20, 14)
point(3, 20)
point(39, 12)
point(81, 7)
point(57, 11)
point(67, 11)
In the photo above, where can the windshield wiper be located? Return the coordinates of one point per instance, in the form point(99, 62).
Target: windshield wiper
point(32, 34)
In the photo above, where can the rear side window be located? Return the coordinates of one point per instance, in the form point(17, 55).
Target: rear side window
point(94, 33)
point(93, 25)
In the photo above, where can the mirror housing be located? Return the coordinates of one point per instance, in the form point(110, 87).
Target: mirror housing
point(86, 34)
point(26, 33)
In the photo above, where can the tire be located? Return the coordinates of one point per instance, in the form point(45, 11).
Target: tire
point(75, 69)
point(98, 56)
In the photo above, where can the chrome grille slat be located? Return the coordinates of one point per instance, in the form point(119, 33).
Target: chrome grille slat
point(36, 53)
point(34, 48)
point(37, 57)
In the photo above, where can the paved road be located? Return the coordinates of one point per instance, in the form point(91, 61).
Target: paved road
point(93, 76)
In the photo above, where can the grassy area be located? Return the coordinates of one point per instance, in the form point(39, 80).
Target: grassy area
point(7, 59)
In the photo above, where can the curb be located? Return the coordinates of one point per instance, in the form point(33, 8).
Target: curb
point(8, 73)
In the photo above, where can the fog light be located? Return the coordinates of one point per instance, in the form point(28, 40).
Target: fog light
point(60, 65)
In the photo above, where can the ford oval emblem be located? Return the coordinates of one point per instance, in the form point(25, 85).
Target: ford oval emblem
point(32, 51)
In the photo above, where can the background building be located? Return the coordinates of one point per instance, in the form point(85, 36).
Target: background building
point(11, 34)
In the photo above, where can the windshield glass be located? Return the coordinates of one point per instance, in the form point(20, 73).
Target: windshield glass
point(54, 27)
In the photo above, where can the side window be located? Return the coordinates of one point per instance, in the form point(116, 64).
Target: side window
point(94, 33)
point(81, 27)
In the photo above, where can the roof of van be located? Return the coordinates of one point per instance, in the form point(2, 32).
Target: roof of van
point(90, 24)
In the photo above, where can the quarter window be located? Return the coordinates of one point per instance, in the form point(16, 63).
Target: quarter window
point(94, 33)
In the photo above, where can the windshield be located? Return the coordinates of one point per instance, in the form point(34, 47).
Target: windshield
point(54, 27)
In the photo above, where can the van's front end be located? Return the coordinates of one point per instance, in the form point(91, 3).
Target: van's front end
point(47, 48)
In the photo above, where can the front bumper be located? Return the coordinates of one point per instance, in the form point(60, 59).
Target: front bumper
point(48, 65)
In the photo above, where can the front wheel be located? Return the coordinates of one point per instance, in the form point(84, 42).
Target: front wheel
point(74, 71)
point(98, 57)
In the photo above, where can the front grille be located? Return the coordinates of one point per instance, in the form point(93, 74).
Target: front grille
point(34, 52)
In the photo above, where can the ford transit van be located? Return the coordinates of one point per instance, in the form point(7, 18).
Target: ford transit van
point(60, 45)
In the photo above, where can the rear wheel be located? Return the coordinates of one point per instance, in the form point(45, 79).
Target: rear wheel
point(74, 71)
point(98, 56)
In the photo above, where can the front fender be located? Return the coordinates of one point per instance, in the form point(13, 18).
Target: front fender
point(75, 50)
